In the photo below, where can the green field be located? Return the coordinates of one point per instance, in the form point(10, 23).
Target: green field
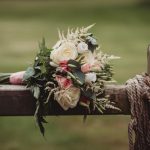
point(121, 29)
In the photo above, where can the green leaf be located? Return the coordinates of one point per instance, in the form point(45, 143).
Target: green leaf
point(74, 64)
point(92, 43)
point(89, 94)
point(44, 51)
point(29, 73)
point(39, 118)
point(42, 44)
point(36, 92)
point(80, 76)
point(43, 69)
point(40, 124)
point(76, 70)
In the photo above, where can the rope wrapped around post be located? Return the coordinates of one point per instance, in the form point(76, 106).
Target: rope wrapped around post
point(138, 92)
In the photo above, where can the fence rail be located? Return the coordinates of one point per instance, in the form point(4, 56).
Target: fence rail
point(16, 100)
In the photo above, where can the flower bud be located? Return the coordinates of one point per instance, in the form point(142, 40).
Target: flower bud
point(82, 47)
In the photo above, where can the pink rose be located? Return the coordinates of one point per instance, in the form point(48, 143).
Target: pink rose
point(64, 65)
point(86, 68)
point(17, 78)
point(63, 82)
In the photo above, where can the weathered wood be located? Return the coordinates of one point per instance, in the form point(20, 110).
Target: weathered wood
point(18, 101)
point(148, 59)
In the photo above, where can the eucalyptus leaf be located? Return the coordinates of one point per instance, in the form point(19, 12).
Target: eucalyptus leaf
point(36, 92)
point(80, 76)
point(39, 121)
point(74, 65)
point(89, 94)
point(92, 43)
point(29, 73)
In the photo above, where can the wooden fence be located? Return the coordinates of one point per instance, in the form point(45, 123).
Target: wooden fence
point(16, 100)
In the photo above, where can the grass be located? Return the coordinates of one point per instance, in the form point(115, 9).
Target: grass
point(122, 30)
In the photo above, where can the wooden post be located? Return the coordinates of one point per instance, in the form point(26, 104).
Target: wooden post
point(148, 59)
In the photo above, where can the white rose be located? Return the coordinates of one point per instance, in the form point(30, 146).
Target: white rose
point(82, 47)
point(68, 98)
point(65, 52)
point(90, 77)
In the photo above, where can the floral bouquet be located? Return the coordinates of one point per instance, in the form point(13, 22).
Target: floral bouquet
point(72, 73)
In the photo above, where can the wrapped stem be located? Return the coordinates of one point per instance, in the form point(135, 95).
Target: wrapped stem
point(4, 78)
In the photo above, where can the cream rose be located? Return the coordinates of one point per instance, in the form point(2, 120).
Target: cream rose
point(68, 98)
point(66, 51)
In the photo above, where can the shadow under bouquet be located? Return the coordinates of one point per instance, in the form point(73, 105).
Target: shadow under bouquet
point(70, 75)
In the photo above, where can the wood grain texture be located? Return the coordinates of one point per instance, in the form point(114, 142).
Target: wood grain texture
point(18, 101)
point(148, 59)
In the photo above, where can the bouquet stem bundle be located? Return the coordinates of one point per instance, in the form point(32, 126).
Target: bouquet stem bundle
point(4, 78)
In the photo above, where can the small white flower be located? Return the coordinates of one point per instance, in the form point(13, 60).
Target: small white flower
point(82, 47)
point(66, 51)
point(90, 77)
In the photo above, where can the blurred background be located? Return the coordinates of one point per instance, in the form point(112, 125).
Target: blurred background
point(122, 28)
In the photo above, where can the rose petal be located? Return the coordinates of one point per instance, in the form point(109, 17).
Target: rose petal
point(63, 82)
point(86, 68)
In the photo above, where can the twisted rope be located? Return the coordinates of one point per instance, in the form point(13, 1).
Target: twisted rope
point(138, 91)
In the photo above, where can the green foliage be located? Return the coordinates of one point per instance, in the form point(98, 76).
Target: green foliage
point(80, 76)
point(30, 72)
point(35, 77)
point(92, 43)
point(36, 91)
point(76, 71)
